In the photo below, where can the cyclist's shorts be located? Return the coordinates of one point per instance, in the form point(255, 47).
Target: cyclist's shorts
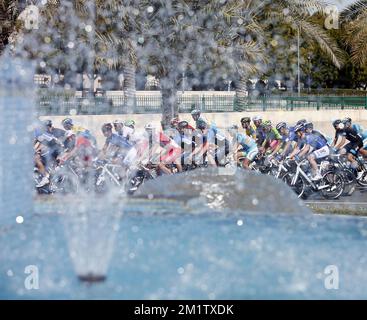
point(321, 153)
point(249, 154)
point(274, 144)
point(353, 147)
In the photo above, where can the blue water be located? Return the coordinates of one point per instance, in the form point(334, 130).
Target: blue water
point(208, 256)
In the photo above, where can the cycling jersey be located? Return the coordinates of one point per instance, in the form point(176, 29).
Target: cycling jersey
point(320, 135)
point(214, 135)
point(357, 127)
point(272, 135)
point(246, 142)
point(350, 134)
point(118, 141)
point(251, 131)
point(315, 141)
point(260, 135)
point(291, 136)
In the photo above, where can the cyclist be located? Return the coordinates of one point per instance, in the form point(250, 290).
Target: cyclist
point(260, 134)
point(250, 130)
point(52, 139)
point(310, 129)
point(245, 147)
point(357, 127)
point(79, 148)
point(272, 140)
point(115, 146)
point(289, 138)
point(186, 140)
point(214, 144)
point(196, 115)
point(119, 127)
point(163, 147)
point(129, 131)
point(355, 144)
point(68, 124)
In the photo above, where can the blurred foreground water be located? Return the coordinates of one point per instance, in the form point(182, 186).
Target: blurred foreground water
point(182, 253)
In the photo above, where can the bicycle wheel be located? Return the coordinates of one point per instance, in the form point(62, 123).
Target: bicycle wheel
point(349, 181)
point(65, 183)
point(362, 181)
point(335, 185)
point(300, 187)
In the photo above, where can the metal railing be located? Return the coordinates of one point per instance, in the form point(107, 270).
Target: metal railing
point(60, 104)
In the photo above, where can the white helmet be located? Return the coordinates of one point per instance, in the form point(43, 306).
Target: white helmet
point(149, 126)
point(257, 118)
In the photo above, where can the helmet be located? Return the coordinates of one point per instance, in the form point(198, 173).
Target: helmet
point(149, 126)
point(107, 127)
point(201, 124)
point(257, 118)
point(233, 129)
point(118, 122)
point(309, 125)
point(47, 123)
point(129, 123)
point(336, 123)
point(303, 121)
point(182, 124)
point(347, 120)
point(246, 120)
point(281, 125)
point(299, 127)
point(67, 122)
point(195, 112)
point(267, 123)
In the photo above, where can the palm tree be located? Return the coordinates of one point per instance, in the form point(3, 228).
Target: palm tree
point(295, 15)
point(354, 24)
point(9, 11)
point(193, 36)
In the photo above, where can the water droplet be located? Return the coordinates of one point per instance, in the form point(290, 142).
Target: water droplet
point(180, 270)
point(150, 9)
point(10, 273)
point(240, 223)
point(19, 219)
point(255, 202)
point(88, 28)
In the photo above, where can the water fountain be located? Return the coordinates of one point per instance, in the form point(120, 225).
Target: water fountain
point(16, 154)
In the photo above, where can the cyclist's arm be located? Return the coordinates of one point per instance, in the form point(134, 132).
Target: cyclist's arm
point(341, 143)
point(294, 152)
point(305, 150)
point(286, 148)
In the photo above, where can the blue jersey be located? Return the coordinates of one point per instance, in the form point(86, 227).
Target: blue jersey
point(291, 136)
point(246, 142)
point(118, 141)
point(214, 135)
point(315, 141)
point(357, 128)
